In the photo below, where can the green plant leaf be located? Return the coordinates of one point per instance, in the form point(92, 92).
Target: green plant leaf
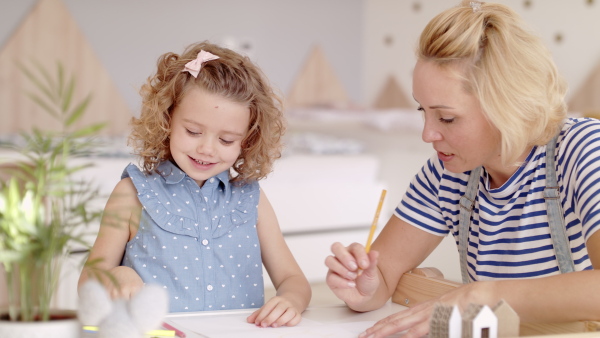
point(68, 95)
point(44, 209)
point(46, 90)
point(78, 111)
point(61, 79)
point(43, 104)
point(50, 83)
point(9, 256)
point(89, 130)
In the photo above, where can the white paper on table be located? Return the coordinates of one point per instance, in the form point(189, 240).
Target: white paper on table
point(234, 324)
point(359, 327)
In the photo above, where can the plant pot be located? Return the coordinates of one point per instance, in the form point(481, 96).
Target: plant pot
point(62, 324)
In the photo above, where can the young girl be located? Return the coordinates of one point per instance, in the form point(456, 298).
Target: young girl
point(193, 218)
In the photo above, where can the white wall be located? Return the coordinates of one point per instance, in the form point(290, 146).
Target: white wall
point(129, 35)
point(576, 20)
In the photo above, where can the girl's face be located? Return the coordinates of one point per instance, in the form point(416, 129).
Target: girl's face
point(454, 121)
point(206, 133)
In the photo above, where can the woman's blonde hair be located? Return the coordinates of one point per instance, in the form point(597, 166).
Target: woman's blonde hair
point(505, 66)
point(232, 76)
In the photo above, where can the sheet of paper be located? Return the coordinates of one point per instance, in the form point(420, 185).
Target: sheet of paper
point(235, 325)
point(359, 327)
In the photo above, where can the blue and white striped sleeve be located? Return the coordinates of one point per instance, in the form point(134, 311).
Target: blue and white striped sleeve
point(420, 204)
point(584, 164)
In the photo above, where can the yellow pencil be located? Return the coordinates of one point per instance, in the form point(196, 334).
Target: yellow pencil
point(161, 333)
point(375, 219)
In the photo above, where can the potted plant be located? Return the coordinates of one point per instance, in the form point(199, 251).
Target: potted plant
point(44, 207)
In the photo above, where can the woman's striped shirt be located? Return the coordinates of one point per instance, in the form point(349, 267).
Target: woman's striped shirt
point(509, 233)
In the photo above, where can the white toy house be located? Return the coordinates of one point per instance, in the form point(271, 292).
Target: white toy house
point(477, 321)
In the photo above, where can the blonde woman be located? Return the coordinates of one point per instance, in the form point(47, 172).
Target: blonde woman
point(514, 181)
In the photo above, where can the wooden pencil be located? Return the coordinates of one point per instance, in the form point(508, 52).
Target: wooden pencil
point(375, 219)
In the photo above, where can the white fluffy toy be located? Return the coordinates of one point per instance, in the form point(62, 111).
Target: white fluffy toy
point(120, 318)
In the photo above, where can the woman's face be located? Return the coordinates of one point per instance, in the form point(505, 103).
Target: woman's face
point(454, 121)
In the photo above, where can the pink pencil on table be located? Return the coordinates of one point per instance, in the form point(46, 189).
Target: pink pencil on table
point(178, 332)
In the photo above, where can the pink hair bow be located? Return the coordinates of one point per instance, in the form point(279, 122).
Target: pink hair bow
point(194, 66)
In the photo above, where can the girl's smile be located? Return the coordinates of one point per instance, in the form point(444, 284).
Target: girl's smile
point(202, 165)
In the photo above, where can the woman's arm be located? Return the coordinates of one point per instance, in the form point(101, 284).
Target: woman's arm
point(561, 298)
point(366, 281)
point(593, 248)
point(566, 297)
point(293, 289)
point(120, 220)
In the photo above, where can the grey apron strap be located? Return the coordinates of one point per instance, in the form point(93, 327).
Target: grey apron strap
point(467, 202)
point(556, 219)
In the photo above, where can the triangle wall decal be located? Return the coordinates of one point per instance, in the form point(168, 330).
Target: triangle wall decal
point(587, 99)
point(49, 35)
point(391, 96)
point(316, 85)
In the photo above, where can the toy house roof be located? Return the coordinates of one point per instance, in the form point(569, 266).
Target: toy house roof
point(508, 320)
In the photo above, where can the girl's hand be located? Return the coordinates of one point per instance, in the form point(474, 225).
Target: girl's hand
point(415, 320)
point(352, 275)
point(278, 311)
point(129, 282)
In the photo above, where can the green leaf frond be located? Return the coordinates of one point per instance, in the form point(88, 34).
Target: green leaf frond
point(45, 207)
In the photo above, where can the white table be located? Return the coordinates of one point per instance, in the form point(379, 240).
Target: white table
point(323, 321)
point(335, 320)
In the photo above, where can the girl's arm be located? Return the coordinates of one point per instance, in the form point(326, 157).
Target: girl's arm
point(293, 289)
point(119, 223)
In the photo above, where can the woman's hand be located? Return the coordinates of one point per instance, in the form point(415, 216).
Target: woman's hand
point(353, 276)
point(278, 311)
point(128, 282)
point(415, 320)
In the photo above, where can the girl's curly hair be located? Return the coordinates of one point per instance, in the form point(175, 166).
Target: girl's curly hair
point(234, 77)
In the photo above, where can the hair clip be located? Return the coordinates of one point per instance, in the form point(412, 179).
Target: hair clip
point(476, 5)
point(194, 66)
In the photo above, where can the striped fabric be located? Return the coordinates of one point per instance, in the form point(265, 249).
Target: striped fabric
point(509, 235)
